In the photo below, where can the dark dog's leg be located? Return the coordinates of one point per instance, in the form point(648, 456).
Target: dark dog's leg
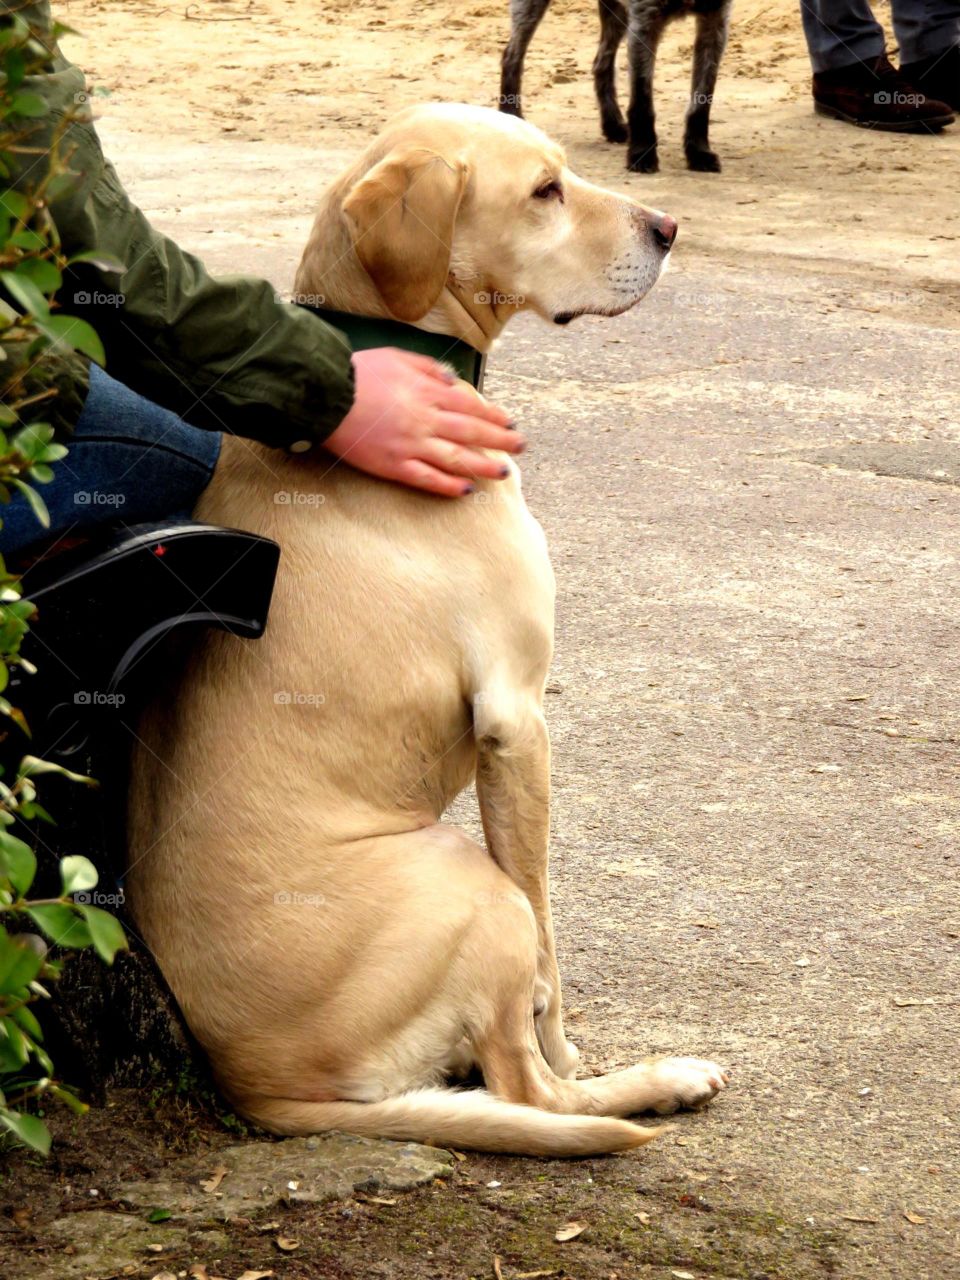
point(613, 26)
point(643, 35)
point(707, 52)
point(525, 17)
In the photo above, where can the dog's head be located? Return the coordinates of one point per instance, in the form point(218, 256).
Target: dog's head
point(464, 207)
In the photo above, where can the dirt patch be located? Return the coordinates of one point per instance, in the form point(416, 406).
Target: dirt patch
point(639, 1219)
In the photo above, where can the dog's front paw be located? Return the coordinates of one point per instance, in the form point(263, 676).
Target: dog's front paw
point(684, 1082)
point(614, 128)
point(645, 161)
point(703, 161)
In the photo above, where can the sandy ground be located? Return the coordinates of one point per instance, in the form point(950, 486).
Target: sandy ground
point(749, 489)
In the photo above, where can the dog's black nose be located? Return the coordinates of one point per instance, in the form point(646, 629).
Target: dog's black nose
point(665, 231)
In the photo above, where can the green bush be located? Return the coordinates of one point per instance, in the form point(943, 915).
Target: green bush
point(31, 266)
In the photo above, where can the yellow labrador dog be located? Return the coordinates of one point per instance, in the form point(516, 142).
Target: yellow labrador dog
point(337, 949)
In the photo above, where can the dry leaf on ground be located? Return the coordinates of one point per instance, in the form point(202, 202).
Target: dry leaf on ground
point(210, 1184)
point(570, 1231)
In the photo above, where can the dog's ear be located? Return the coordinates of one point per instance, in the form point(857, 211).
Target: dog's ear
point(401, 217)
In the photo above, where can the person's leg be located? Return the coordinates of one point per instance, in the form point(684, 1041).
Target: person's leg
point(925, 28)
point(129, 460)
point(852, 76)
point(840, 33)
point(928, 33)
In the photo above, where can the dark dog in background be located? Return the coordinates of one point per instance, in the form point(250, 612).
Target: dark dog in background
point(643, 22)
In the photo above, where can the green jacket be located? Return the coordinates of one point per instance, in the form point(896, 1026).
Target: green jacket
point(224, 353)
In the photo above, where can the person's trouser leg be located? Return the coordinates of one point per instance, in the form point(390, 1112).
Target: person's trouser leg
point(840, 33)
point(129, 460)
point(925, 28)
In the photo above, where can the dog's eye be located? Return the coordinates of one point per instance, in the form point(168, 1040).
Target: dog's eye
point(549, 190)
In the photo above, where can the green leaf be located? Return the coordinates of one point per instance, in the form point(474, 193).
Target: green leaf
point(159, 1215)
point(97, 257)
point(42, 272)
point(61, 925)
point(77, 873)
point(26, 293)
point(27, 1022)
point(63, 1094)
point(29, 1130)
point(30, 240)
point(8, 416)
point(69, 331)
point(37, 504)
point(40, 473)
point(30, 105)
point(54, 452)
point(16, 204)
point(17, 862)
point(14, 1046)
point(15, 66)
point(108, 937)
point(19, 963)
point(33, 767)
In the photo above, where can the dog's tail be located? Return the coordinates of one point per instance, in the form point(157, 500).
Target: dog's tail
point(470, 1118)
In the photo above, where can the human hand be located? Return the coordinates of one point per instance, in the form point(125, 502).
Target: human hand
point(414, 422)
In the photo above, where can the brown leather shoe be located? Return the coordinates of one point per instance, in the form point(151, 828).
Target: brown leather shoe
point(877, 96)
point(937, 77)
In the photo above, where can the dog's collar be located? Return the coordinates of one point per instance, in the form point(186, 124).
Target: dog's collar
point(364, 332)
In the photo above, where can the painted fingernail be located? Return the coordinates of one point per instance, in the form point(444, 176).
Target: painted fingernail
point(504, 472)
point(511, 426)
point(470, 488)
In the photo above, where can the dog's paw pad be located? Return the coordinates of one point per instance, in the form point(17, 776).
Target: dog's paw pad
point(687, 1082)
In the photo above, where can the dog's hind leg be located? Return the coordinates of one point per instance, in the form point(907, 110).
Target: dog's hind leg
point(478, 967)
point(707, 51)
point(613, 27)
point(525, 17)
point(644, 30)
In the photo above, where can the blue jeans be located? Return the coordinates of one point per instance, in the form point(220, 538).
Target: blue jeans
point(130, 460)
point(842, 32)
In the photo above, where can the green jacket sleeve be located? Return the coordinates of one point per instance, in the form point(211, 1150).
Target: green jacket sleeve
point(224, 353)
